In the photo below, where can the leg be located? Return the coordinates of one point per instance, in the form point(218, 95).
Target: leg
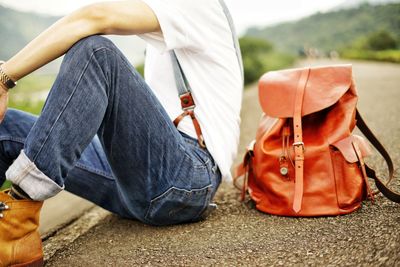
point(91, 171)
point(98, 91)
point(20, 241)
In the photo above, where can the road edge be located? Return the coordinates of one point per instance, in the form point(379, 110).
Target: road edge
point(67, 234)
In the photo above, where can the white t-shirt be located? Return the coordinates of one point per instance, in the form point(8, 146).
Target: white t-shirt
point(199, 32)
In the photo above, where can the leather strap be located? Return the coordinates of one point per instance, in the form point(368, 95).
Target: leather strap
point(195, 124)
point(181, 82)
point(298, 144)
point(363, 169)
point(383, 187)
point(245, 169)
point(5, 79)
point(183, 86)
point(185, 95)
point(390, 194)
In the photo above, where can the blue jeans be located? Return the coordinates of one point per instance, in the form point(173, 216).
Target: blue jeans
point(105, 136)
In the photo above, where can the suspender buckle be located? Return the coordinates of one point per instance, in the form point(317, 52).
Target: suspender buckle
point(187, 101)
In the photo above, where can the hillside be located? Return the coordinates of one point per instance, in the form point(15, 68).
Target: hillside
point(18, 28)
point(332, 30)
point(357, 3)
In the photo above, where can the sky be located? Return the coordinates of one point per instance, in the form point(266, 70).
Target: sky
point(246, 13)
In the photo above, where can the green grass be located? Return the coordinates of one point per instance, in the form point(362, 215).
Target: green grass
point(24, 96)
point(26, 105)
point(35, 83)
point(385, 55)
point(6, 185)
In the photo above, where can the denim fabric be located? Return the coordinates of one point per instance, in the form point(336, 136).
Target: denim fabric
point(104, 136)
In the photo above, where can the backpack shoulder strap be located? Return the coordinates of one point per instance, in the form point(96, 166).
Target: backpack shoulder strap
point(383, 187)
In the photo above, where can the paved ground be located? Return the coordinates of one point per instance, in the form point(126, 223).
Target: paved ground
point(61, 210)
point(237, 234)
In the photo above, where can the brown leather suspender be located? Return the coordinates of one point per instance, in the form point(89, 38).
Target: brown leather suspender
point(188, 106)
point(185, 95)
point(183, 86)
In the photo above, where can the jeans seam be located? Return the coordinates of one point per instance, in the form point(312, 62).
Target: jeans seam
point(11, 138)
point(127, 65)
point(122, 59)
point(96, 171)
point(202, 166)
point(23, 173)
point(135, 76)
point(67, 103)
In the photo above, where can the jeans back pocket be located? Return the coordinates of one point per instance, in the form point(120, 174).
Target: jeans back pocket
point(178, 205)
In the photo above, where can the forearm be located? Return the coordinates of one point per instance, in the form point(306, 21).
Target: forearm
point(52, 43)
point(116, 17)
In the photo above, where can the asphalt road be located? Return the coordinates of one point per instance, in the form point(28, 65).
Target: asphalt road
point(61, 210)
point(238, 235)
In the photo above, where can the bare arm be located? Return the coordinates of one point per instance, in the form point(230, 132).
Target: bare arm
point(122, 18)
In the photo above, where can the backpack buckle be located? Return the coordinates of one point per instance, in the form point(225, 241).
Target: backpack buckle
point(300, 144)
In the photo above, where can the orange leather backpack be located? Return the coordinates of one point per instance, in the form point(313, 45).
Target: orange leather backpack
point(305, 160)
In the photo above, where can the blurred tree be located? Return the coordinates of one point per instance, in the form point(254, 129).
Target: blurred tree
point(254, 45)
point(332, 30)
point(254, 52)
point(253, 68)
point(380, 40)
point(259, 56)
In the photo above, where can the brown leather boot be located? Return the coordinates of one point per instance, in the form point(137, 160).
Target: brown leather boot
point(20, 241)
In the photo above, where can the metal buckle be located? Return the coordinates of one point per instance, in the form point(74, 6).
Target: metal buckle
point(3, 206)
point(202, 143)
point(299, 144)
point(250, 147)
point(187, 101)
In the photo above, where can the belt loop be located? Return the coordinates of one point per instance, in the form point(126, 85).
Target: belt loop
point(215, 168)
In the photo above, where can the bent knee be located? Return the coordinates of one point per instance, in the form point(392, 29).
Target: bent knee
point(92, 43)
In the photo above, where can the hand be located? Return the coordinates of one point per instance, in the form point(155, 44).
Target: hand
point(3, 101)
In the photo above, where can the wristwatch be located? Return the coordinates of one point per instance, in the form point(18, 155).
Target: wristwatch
point(4, 79)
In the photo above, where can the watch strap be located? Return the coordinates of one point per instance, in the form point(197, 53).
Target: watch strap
point(5, 79)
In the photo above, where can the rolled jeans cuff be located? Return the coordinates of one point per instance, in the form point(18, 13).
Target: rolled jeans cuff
point(24, 173)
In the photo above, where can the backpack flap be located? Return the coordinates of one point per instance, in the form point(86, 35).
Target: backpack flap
point(347, 150)
point(325, 86)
